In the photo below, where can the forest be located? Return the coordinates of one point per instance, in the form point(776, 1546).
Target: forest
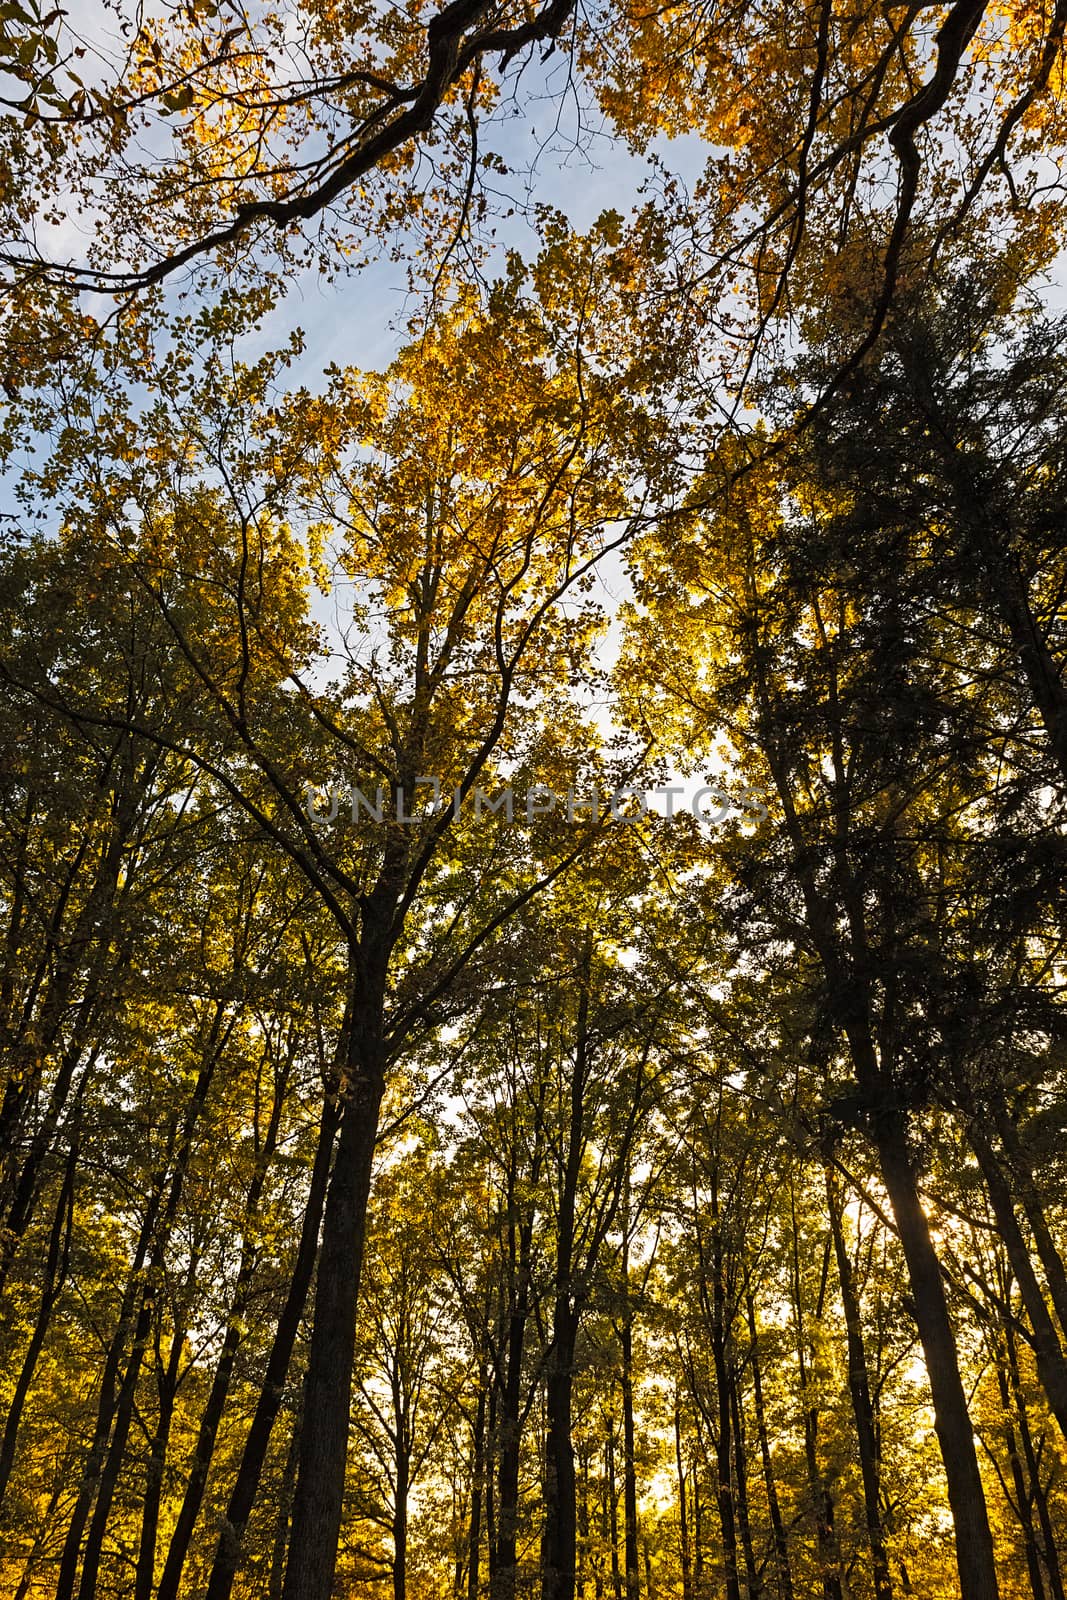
point(533, 800)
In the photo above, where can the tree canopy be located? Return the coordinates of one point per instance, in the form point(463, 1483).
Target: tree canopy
point(532, 1035)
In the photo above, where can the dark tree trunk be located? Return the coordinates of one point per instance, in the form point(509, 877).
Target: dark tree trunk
point(860, 1391)
point(400, 1525)
point(109, 1477)
point(1025, 1186)
point(509, 1439)
point(106, 1402)
point(629, 1465)
point(281, 1521)
point(683, 1522)
point(559, 1541)
point(474, 1532)
point(821, 1499)
point(167, 1387)
point(317, 1500)
point(246, 1484)
point(753, 1582)
point(1022, 1503)
point(123, 1414)
point(560, 1537)
point(974, 1541)
point(1038, 1490)
point(54, 1275)
point(612, 1509)
point(1048, 1352)
point(774, 1509)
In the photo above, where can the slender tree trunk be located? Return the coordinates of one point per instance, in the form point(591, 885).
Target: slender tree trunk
point(509, 1435)
point(821, 1498)
point(109, 1477)
point(490, 1494)
point(178, 1549)
point(860, 1392)
point(285, 1506)
point(1048, 1352)
point(724, 1465)
point(106, 1402)
point(123, 1415)
point(683, 1525)
point(560, 1535)
point(774, 1509)
point(1038, 1491)
point(39, 1542)
point(167, 1383)
point(613, 1512)
point(474, 1533)
point(629, 1465)
point(848, 988)
point(753, 1582)
point(1007, 592)
point(400, 1524)
point(1025, 1186)
point(1022, 1504)
point(582, 1577)
point(27, 1184)
point(55, 1273)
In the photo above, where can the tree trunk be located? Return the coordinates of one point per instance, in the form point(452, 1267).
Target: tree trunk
point(509, 1436)
point(400, 1523)
point(1027, 1190)
point(821, 1499)
point(629, 1466)
point(781, 1546)
point(1038, 1490)
point(474, 1533)
point(1048, 1353)
point(612, 1508)
point(860, 1391)
point(281, 1521)
point(167, 1384)
point(320, 1479)
point(683, 1526)
point(178, 1549)
point(54, 1276)
point(560, 1537)
point(1022, 1504)
point(974, 1541)
point(106, 1403)
point(753, 1583)
point(109, 1477)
